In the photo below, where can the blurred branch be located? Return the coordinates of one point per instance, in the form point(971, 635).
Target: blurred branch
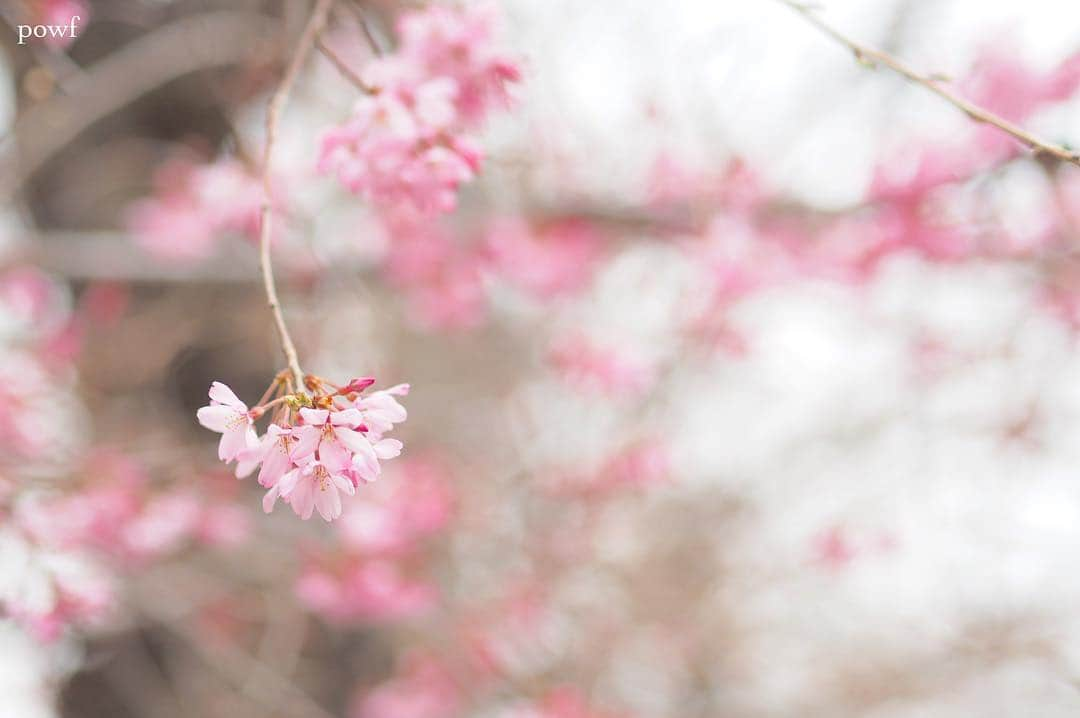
point(870, 56)
point(272, 690)
point(339, 64)
point(361, 17)
point(111, 256)
point(144, 64)
point(136, 676)
point(307, 40)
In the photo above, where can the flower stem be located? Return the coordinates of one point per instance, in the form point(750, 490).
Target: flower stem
point(273, 114)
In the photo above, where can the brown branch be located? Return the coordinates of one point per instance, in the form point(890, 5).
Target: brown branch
point(347, 72)
point(361, 17)
point(273, 691)
point(274, 109)
point(869, 55)
point(188, 45)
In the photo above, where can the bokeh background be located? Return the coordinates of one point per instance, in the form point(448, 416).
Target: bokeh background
point(745, 377)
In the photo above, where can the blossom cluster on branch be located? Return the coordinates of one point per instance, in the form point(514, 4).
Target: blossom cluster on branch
point(407, 144)
point(316, 447)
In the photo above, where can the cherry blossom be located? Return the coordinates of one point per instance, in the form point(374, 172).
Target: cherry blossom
point(592, 367)
point(316, 485)
point(549, 261)
point(562, 702)
point(406, 144)
point(460, 45)
point(397, 513)
point(46, 590)
point(381, 410)
point(114, 511)
point(365, 590)
point(425, 688)
point(228, 416)
point(193, 206)
point(308, 456)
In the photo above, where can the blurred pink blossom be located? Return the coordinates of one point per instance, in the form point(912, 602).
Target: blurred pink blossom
point(547, 261)
point(589, 366)
point(406, 144)
point(361, 590)
point(193, 205)
point(414, 502)
point(424, 688)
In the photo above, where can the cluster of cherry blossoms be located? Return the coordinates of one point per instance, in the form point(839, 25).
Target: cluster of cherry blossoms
point(41, 334)
point(407, 143)
point(193, 205)
point(63, 551)
point(45, 590)
point(378, 570)
point(446, 276)
point(316, 447)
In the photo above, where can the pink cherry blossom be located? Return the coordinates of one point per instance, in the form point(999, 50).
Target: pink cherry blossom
point(440, 275)
point(460, 46)
point(836, 547)
point(162, 524)
point(193, 206)
point(395, 514)
point(386, 154)
point(455, 300)
point(549, 261)
point(103, 303)
point(316, 485)
point(362, 590)
point(407, 144)
point(590, 366)
point(33, 425)
point(229, 416)
point(309, 456)
point(562, 702)
point(114, 511)
point(223, 525)
point(46, 590)
point(425, 688)
point(33, 298)
point(172, 228)
point(736, 187)
point(381, 410)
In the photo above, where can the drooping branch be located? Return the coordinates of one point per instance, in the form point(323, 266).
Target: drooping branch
point(274, 109)
point(342, 67)
point(873, 56)
point(361, 18)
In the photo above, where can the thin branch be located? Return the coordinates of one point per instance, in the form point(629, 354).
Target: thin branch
point(275, 691)
point(361, 17)
point(314, 26)
point(869, 55)
point(346, 71)
point(187, 45)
